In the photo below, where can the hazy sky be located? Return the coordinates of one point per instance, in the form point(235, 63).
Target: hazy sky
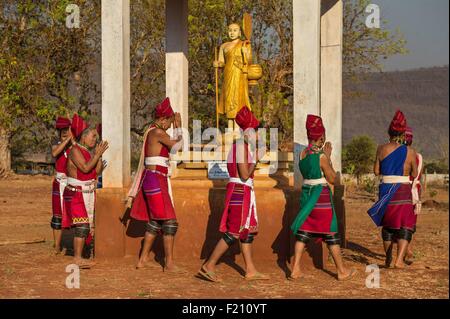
point(424, 24)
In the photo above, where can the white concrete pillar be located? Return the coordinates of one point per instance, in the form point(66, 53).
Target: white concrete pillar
point(116, 91)
point(177, 73)
point(331, 75)
point(306, 42)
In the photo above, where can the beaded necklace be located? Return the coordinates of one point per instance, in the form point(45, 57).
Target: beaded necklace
point(313, 149)
point(156, 124)
point(398, 139)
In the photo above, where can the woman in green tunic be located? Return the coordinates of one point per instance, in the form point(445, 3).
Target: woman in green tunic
point(317, 217)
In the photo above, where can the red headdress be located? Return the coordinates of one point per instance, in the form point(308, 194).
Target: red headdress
point(164, 109)
point(314, 127)
point(245, 119)
point(78, 125)
point(398, 123)
point(62, 122)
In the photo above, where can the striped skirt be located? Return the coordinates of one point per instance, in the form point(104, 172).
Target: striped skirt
point(400, 210)
point(157, 198)
point(237, 214)
point(320, 218)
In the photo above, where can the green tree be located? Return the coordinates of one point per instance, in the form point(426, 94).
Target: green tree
point(46, 69)
point(358, 156)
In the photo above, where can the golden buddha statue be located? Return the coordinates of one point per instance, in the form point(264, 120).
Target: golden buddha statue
point(234, 57)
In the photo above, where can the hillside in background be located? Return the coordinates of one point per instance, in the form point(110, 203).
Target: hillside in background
point(421, 94)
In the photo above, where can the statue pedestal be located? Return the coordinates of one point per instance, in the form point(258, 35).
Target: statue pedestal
point(109, 231)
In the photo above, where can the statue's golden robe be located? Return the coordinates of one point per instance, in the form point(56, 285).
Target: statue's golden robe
point(234, 94)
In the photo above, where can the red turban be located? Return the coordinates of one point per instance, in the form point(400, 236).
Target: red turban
point(245, 119)
point(78, 125)
point(314, 127)
point(408, 135)
point(164, 109)
point(398, 123)
point(62, 122)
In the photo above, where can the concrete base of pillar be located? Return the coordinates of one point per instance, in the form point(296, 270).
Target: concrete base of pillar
point(199, 208)
point(109, 231)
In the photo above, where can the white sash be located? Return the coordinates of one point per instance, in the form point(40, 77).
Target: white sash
point(249, 183)
point(314, 182)
point(88, 192)
point(157, 160)
point(61, 178)
point(393, 179)
point(161, 161)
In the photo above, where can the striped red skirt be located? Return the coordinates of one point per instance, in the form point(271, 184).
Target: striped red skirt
point(320, 218)
point(400, 210)
point(236, 215)
point(75, 208)
point(157, 198)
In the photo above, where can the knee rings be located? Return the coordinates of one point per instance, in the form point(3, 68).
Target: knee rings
point(170, 227)
point(405, 234)
point(332, 239)
point(329, 239)
point(229, 239)
point(82, 230)
point(303, 236)
point(56, 222)
point(248, 240)
point(389, 234)
point(166, 227)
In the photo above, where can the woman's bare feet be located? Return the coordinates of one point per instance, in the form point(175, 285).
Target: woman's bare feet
point(143, 262)
point(173, 269)
point(409, 257)
point(296, 274)
point(348, 274)
point(61, 252)
point(399, 265)
point(209, 275)
point(256, 276)
point(209, 268)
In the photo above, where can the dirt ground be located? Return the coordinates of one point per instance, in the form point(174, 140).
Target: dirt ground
point(31, 271)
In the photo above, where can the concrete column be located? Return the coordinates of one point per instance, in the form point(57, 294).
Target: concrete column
point(177, 73)
point(110, 206)
point(306, 42)
point(116, 91)
point(331, 75)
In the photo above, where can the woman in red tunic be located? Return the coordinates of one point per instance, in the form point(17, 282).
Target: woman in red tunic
point(151, 188)
point(239, 219)
point(83, 167)
point(60, 153)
